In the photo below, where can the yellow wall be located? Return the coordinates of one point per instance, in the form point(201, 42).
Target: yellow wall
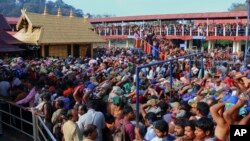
point(83, 50)
point(58, 50)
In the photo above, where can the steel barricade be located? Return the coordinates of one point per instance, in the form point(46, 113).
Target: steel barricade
point(170, 61)
point(26, 122)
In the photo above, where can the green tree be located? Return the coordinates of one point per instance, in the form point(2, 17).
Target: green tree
point(237, 7)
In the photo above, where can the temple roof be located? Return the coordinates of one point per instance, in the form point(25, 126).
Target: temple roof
point(48, 29)
point(3, 23)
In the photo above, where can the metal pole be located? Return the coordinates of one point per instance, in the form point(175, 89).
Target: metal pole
point(140, 53)
point(137, 96)
point(247, 34)
point(35, 133)
point(190, 66)
point(202, 66)
point(171, 77)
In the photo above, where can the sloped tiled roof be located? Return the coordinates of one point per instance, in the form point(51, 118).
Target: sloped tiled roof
point(28, 37)
point(4, 47)
point(7, 38)
point(3, 23)
point(12, 20)
point(186, 16)
point(60, 29)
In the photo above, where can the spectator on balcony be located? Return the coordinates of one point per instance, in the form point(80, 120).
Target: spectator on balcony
point(155, 50)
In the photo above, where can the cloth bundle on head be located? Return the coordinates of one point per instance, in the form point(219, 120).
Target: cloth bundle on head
point(174, 104)
point(117, 90)
point(92, 62)
point(181, 114)
point(91, 86)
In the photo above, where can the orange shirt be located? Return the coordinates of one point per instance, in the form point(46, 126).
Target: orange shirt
point(68, 91)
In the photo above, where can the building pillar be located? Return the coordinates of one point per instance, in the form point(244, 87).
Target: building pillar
point(237, 29)
point(182, 30)
point(215, 31)
point(224, 30)
point(160, 28)
point(236, 46)
point(92, 50)
point(72, 50)
point(186, 44)
point(127, 43)
point(190, 44)
point(198, 31)
point(109, 43)
point(42, 51)
point(167, 31)
point(105, 29)
point(210, 44)
point(174, 30)
point(122, 29)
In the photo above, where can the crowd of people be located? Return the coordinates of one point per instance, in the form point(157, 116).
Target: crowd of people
point(189, 29)
point(93, 99)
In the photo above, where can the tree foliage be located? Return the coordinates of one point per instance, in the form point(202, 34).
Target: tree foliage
point(12, 8)
point(238, 7)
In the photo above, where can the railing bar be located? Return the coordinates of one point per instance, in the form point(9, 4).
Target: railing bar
point(17, 129)
point(47, 130)
point(21, 116)
point(40, 130)
point(17, 117)
point(10, 113)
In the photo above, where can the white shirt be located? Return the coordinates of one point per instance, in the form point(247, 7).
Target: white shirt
point(92, 117)
point(159, 139)
point(150, 133)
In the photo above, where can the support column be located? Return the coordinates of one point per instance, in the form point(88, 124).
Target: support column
point(174, 30)
point(105, 29)
point(122, 29)
point(198, 32)
point(186, 44)
point(160, 28)
point(190, 44)
point(182, 30)
point(42, 51)
point(210, 44)
point(237, 30)
point(236, 46)
point(109, 43)
point(92, 50)
point(191, 31)
point(215, 31)
point(72, 49)
point(224, 30)
point(167, 31)
point(127, 43)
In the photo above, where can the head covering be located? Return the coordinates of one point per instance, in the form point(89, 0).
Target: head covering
point(175, 104)
point(181, 114)
point(91, 86)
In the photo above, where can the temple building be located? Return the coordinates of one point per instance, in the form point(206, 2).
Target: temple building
point(57, 35)
point(8, 44)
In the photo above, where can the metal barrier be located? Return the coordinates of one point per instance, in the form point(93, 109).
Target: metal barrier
point(26, 122)
point(170, 61)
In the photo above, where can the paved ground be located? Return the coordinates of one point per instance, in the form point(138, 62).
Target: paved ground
point(10, 134)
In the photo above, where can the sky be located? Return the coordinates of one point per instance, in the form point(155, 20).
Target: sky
point(150, 7)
